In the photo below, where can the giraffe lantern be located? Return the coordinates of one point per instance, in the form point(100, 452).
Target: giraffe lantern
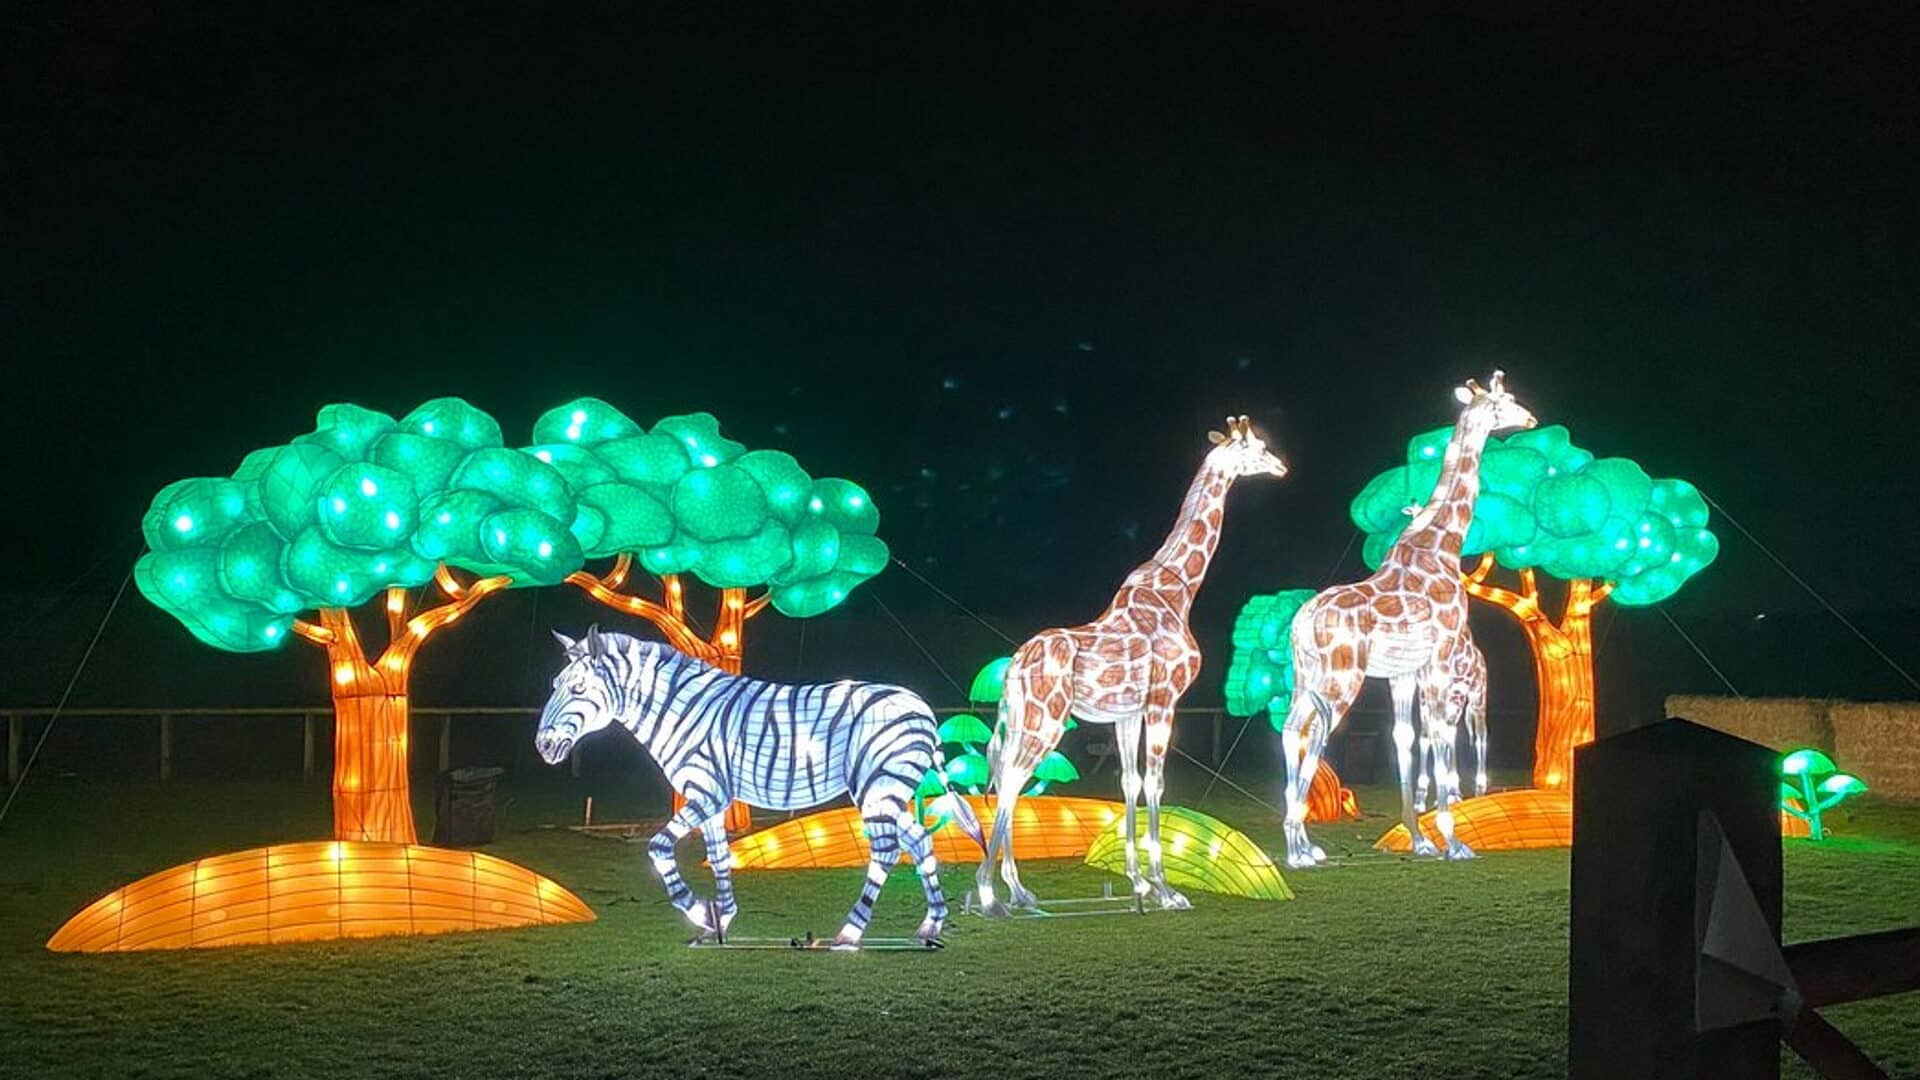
point(1407, 624)
point(1127, 668)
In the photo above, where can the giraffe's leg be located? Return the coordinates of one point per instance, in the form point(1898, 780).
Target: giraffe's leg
point(1126, 746)
point(1441, 706)
point(700, 806)
point(1318, 704)
point(883, 851)
point(1159, 733)
point(1038, 696)
point(1479, 720)
point(919, 845)
point(1405, 689)
point(714, 829)
point(1420, 777)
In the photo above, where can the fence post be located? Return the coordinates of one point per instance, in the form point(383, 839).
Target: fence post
point(573, 761)
point(446, 741)
point(166, 747)
point(13, 748)
point(306, 746)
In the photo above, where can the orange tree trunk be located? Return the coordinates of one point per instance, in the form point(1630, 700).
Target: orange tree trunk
point(1563, 668)
point(1562, 665)
point(371, 796)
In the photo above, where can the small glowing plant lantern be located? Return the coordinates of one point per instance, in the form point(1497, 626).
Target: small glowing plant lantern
point(1546, 506)
point(966, 740)
point(1811, 784)
point(683, 499)
point(1260, 676)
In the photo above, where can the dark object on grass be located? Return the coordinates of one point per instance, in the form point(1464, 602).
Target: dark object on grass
point(464, 812)
point(1675, 964)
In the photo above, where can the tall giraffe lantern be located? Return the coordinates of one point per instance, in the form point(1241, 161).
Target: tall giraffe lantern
point(1404, 624)
point(1127, 668)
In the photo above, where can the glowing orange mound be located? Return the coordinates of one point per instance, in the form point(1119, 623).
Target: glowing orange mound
point(1503, 821)
point(1518, 820)
point(317, 891)
point(1044, 827)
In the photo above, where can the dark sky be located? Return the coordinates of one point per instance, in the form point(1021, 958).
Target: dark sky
point(1004, 272)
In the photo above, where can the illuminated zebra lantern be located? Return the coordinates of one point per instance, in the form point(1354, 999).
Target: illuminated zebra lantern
point(721, 737)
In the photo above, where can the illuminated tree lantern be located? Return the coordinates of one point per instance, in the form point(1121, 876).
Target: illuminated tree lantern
point(684, 499)
point(359, 513)
point(1601, 525)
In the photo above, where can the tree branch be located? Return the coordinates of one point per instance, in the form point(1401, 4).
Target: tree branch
point(757, 604)
point(400, 651)
point(1480, 571)
point(616, 577)
point(678, 635)
point(676, 597)
point(1475, 584)
point(1599, 593)
point(443, 577)
point(319, 635)
point(396, 613)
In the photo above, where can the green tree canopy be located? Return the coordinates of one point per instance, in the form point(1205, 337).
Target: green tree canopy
point(1260, 675)
point(361, 504)
point(1546, 504)
point(683, 498)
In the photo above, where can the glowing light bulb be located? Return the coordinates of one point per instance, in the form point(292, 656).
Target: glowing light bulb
point(184, 523)
point(343, 673)
point(339, 505)
point(544, 455)
point(546, 549)
point(368, 487)
point(393, 519)
point(579, 416)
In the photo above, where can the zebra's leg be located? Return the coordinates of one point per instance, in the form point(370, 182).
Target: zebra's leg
point(721, 856)
point(660, 849)
point(919, 844)
point(883, 851)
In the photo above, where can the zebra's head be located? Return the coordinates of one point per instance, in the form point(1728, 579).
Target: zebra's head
point(583, 698)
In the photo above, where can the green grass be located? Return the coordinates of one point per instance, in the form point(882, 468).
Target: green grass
point(1383, 970)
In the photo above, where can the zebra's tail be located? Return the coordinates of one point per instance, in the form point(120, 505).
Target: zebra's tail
point(957, 805)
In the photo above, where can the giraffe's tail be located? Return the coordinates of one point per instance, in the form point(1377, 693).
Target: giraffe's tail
point(956, 805)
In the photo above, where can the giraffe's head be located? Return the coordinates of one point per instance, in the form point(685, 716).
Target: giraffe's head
point(1240, 452)
point(583, 696)
point(1492, 408)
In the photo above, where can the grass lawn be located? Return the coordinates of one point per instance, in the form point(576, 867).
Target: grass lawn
point(1381, 970)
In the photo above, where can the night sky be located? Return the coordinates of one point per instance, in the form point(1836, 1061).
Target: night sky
point(1005, 273)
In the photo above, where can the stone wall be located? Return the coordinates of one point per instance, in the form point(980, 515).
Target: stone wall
point(1876, 741)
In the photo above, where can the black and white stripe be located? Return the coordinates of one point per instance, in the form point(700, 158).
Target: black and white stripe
point(720, 737)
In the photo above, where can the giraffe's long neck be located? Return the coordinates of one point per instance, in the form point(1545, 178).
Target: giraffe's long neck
point(1190, 544)
point(1442, 522)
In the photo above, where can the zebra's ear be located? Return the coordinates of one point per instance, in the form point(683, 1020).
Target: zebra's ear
point(596, 645)
point(571, 646)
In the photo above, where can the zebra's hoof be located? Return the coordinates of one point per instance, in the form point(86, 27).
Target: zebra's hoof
point(929, 931)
